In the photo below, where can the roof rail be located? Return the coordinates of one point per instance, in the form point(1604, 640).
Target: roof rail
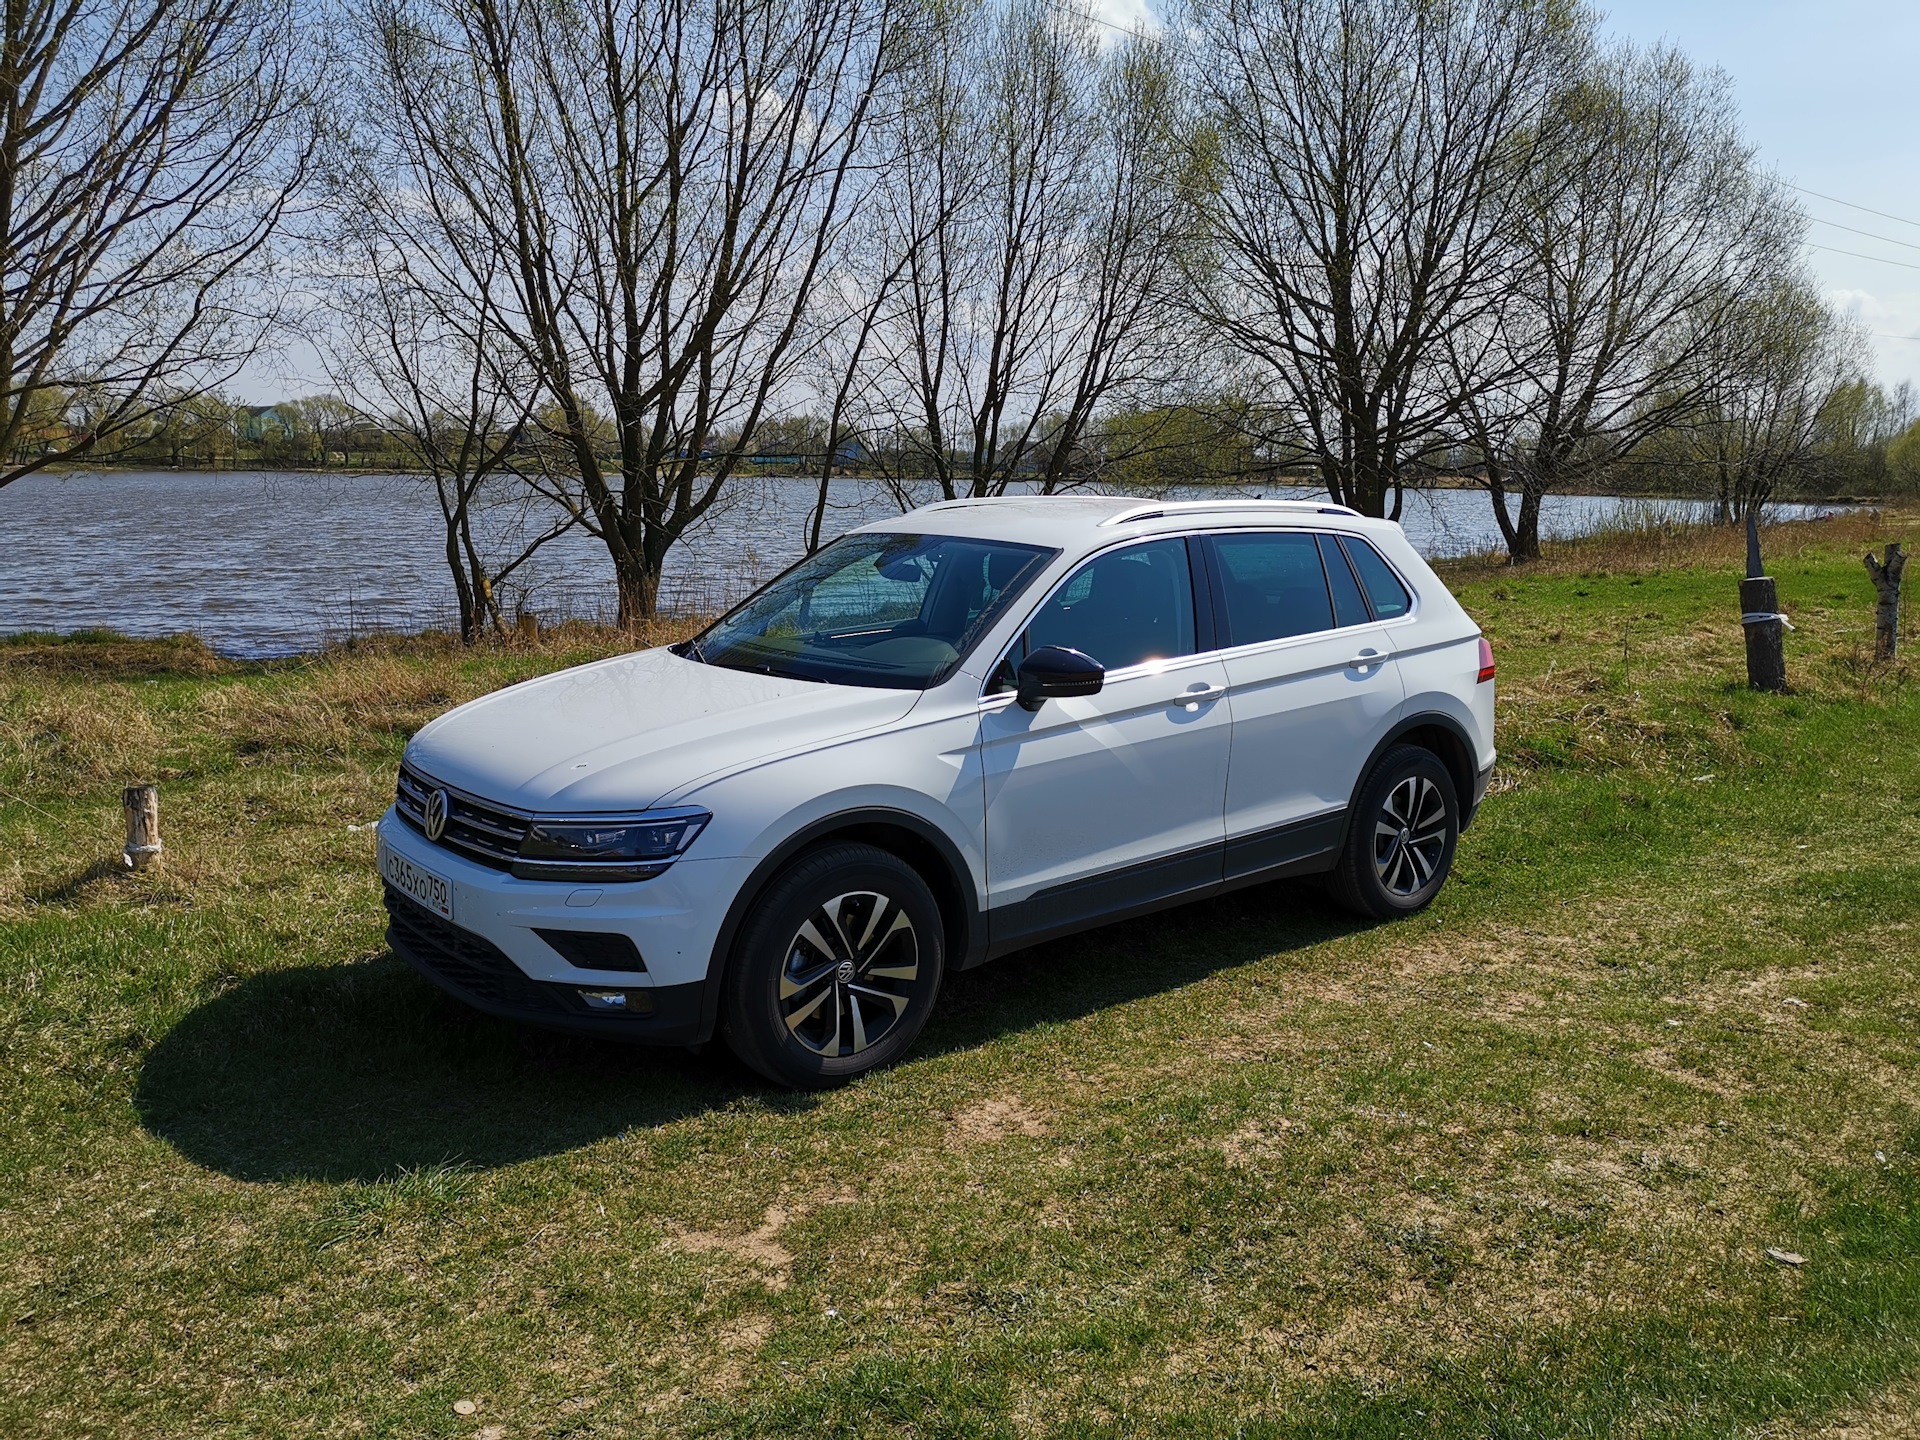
point(1152, 511)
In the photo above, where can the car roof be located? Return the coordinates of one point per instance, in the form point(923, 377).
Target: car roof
point(1085, 522)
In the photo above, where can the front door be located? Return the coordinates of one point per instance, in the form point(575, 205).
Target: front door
point(1111, 802)
point(1314, 689)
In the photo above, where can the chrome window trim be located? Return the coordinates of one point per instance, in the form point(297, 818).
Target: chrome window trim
point(992, 700)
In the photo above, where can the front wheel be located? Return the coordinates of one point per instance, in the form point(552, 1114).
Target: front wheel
point(1400, 842)
point(836, 969)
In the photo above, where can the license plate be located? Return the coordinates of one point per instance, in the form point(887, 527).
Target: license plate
point(431, 890)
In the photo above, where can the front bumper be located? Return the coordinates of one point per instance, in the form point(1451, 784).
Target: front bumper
point(490, 955)
point(478, 972)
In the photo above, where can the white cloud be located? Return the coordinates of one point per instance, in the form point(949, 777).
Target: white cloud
point(1126, 15)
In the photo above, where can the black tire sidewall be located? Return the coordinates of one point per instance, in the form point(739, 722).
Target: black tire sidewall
point(1360, 881)
point(752, 1022)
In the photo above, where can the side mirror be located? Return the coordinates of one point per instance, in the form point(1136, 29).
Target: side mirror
point(1053, 673)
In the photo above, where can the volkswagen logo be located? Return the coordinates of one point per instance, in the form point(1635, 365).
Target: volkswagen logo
point(436, 816)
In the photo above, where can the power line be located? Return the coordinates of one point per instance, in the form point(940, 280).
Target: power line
point(1078, 14)
point(1901, 219)
point(1903, 264)
point(1868, 233)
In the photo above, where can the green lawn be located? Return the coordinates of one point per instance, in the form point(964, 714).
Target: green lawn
point(1247, 1168)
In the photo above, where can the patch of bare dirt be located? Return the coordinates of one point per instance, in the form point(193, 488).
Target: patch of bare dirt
point(757, 1248)
point(1892, 1415)
point(1256, 1144)
point(989, 1120)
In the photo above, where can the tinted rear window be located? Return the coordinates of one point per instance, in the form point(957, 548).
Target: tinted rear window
point(1348, 607)
point(1383, 587)
point(1271, 586)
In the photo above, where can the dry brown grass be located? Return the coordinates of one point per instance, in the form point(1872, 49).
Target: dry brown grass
point(1641, 552)
point(177, 655)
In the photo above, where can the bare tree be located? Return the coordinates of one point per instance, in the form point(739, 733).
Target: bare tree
point(1775, 370)
point(1363, 158)
point(1030, 217)
point(148, 152)
point(416, 347)
point(650, 188)
point(1642, 234)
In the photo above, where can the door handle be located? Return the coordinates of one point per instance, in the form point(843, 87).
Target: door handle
point(1366, 660)
point(1199, 695)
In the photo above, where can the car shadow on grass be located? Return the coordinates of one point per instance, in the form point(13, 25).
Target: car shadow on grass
point(362, 1071)
point(1156, 954)
point(358, 1072)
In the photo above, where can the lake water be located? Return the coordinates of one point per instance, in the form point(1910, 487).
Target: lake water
point(271, 564)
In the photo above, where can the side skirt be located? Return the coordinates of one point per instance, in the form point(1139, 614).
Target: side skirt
point(1303, 847)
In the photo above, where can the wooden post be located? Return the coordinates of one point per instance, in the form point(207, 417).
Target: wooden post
point(142, 804)
point(528, 625)
point(1886, 613)
point(1761, 618)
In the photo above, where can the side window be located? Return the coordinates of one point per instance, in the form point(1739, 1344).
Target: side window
point(1383, 587)
point(1122, 608)
point(1348, 607)
point(1272, 585)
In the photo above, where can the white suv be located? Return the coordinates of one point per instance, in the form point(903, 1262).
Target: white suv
point(937, 740)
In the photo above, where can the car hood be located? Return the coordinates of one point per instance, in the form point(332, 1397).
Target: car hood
point(620, 734)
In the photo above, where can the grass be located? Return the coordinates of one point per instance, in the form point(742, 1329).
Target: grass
point(1242, 1169)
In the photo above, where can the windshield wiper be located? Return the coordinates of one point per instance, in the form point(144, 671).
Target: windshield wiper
point(732, 661)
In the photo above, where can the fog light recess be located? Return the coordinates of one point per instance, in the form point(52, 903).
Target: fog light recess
point(617, 1002)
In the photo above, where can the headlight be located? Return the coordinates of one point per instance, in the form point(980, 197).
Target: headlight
point(623, 847)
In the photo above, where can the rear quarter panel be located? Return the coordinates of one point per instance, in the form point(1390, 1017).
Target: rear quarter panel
point(1438, 649)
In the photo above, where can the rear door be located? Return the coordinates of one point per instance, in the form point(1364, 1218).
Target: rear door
point(1109, 802)
point(1313, 689)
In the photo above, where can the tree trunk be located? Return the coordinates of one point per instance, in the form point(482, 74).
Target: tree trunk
point(1526, 529)
point(639, 588)
point(1886, 611)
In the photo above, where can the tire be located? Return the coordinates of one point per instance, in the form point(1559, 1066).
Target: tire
point(1400, 843)
point(836, 969)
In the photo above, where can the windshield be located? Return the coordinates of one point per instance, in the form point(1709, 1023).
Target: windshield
point(888, 610)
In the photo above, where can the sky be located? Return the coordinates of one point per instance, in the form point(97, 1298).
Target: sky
point(1829, 96)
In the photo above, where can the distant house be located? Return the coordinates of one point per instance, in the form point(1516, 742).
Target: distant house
point(257, 422)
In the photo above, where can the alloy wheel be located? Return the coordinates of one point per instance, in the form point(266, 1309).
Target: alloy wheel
point(848, 973)
point(1410, 836)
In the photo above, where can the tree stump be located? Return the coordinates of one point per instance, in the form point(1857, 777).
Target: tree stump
point(527, 625)
point(142, 804)
point(1886, 611)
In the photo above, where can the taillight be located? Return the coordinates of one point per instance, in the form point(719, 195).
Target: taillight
point(1486, 662)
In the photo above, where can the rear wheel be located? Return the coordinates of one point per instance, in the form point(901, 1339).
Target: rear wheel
point(1400, 843)
point(836, 969)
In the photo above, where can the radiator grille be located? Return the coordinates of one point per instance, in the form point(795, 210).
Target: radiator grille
point(488, 834)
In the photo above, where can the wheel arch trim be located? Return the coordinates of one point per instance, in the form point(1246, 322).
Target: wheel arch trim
point(954, 890)
point(1454, 750)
